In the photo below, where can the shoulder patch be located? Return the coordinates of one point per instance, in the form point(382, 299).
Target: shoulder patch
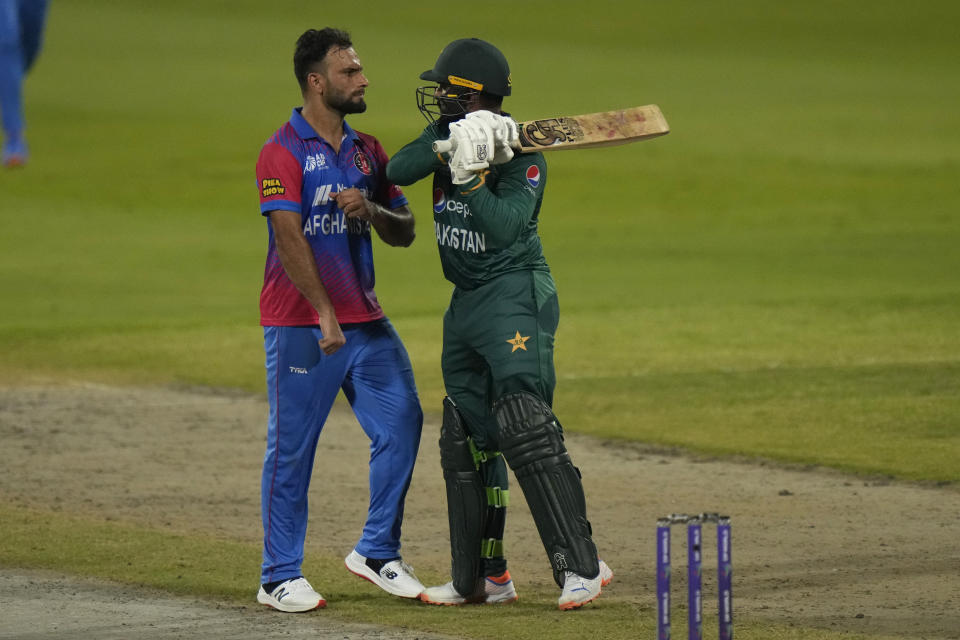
point(272, 187)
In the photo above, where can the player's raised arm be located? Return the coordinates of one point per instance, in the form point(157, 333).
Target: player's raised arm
point(416, 160)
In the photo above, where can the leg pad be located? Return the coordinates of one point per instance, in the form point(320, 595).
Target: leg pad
point(532, 443)
point(466, 500)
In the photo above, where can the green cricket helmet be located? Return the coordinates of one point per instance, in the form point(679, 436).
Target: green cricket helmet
point(465, 67)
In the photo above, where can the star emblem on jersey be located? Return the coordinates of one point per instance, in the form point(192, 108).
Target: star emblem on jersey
point(518, 342)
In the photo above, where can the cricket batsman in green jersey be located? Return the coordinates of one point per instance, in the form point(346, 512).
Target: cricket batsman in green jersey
point(498, 336)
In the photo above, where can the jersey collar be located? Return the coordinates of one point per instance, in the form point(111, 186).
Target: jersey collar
point(305, 131)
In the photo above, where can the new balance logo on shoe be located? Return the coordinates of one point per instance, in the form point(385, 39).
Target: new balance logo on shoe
point(293, 596)
point(395, 577)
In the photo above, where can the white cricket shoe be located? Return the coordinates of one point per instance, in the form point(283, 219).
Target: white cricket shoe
point(499, 589)
point(292, 596)
point(606, 574)
point(445, 594)
point(496, 590)
point(395, 577)
point(578, 591)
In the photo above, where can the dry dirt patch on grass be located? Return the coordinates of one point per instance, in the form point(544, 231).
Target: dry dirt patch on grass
point(810, 547)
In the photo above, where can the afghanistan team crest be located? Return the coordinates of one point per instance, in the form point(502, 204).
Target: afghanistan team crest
point(363, 163)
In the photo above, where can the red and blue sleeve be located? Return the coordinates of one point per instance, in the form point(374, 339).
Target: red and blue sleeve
point(388, 194)
point(279, 179)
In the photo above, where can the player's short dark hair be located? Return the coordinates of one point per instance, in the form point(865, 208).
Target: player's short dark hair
point(312, 48)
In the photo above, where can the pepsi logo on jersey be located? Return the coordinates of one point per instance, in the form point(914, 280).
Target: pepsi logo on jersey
point(533, 176)
point(441, 204)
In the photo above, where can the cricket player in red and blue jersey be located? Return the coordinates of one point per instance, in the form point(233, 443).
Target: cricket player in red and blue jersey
point(323, 188)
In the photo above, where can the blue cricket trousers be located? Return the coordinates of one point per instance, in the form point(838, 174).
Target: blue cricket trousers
point(374, 371)
point(21, 34)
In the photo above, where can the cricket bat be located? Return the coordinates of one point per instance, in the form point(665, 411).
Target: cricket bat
point(591, 130)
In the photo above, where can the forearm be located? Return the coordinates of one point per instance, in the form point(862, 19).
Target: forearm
point(301, 268)
point(394, 226)
point(413, 162)
point(502, 218)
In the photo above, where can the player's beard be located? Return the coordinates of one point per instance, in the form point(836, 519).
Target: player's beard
point(346, 104)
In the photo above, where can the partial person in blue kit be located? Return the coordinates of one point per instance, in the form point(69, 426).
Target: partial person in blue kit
point(21, 34)
point(323, 188)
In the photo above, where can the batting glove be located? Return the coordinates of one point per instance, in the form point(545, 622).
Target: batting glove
point(505, 134)
point(474, 143)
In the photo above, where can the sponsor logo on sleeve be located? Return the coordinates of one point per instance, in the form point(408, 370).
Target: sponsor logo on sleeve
point(272, 187)
point(533, 176)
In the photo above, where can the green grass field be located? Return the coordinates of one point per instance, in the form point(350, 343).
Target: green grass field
point(777, 278)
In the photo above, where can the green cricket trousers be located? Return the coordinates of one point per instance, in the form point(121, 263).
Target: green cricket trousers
point(498, 339)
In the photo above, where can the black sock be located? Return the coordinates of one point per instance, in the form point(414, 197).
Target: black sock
point(270, 586)
point(377, 563)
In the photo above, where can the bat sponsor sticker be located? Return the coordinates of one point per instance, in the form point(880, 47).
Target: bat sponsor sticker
point(363, 163)
point(272, 187)
point(439, 201)
point(533, 176)
point(550, 131)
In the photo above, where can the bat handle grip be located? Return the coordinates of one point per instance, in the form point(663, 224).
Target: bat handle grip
point(444, 146)
point(450, 145)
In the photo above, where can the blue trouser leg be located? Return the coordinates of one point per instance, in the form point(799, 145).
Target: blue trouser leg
point(302, 384)
point(381, 389)
point(11, 70)
point(301, 387)
point(33, 14)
